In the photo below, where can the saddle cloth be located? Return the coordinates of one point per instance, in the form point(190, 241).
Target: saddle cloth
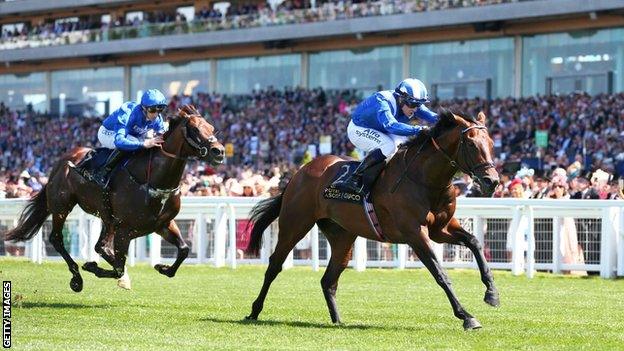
point(364, 199)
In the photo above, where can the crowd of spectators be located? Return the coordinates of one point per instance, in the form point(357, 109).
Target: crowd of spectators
point(236, 15)
point(272, 132)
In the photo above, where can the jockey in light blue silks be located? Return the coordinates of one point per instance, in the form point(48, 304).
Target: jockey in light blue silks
point(126, 129)
point(379, 125)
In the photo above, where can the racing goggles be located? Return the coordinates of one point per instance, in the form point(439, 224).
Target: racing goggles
point(411, 102)
point(157, 108)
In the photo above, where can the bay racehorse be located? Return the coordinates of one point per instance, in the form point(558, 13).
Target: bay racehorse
point(413, 199)
point(143, 197)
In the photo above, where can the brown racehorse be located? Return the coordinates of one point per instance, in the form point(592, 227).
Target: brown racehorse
point(421, 206)
point(143, 198)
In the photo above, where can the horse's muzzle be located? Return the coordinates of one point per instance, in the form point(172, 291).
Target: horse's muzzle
point(489, 184)
point(217, 154)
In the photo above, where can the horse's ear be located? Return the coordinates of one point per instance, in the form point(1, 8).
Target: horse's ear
point(460, 121)
point(481, 117)
point(193, 110)
point(183, 112)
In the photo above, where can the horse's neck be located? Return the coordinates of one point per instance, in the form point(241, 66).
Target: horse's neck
point(163, 172)
point(430, 166)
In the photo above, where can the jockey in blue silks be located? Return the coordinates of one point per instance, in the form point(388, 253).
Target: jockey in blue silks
point(380, 124)
point(127, 129)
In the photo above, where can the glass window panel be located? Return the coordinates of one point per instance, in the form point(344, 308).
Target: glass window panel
point(186, 78)
point(460, 68)
point(87, 92)
point(366, 70)
point(566, 62)
point(242, 75)
point(19, 90)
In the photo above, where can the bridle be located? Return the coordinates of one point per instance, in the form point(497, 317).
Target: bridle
point(461, 149)
point(194, 141)
point(466, 168)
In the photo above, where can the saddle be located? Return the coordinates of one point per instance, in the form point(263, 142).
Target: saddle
point(362, 198)
point(92, 161)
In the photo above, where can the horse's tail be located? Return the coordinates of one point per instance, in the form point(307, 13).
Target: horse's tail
point(31, 219)
point(261, 216)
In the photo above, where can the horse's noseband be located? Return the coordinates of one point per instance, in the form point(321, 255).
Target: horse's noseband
point(197, 145)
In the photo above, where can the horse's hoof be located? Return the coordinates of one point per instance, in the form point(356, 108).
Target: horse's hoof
point(76, 283)
point(492, 299)
point(471, 324)
point(90, 266)
point(164, 270)
point(124, 282)
point(251, 318)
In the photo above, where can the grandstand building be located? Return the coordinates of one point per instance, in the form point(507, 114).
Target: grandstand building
point(87, 58)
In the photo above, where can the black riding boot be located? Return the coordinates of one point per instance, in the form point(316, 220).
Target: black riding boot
point(101, 175)
point(366, 172)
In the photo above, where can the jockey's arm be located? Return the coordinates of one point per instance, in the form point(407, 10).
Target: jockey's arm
point(387, 120)
point(426, 114)
point(160, 126)
point(122, 142)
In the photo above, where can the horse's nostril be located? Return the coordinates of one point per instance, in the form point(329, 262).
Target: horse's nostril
point(489, 182)
point(216, 151)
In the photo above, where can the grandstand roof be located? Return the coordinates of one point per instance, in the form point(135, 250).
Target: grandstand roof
point(495, 18)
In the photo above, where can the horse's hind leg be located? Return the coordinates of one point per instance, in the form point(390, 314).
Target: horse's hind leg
point(106, 235)
point(291, 231)
point(455, 234)
point(56, 239)
point(420, 244)
point(172, 234)
point(341, 243)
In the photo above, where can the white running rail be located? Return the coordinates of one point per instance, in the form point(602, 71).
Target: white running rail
point(518, 235)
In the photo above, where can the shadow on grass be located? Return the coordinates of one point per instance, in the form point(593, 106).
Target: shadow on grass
point(300, 324)
point(59, 305)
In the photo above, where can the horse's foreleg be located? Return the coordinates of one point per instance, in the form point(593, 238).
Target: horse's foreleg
point(172, 235)
point(120, 245)
point(463, 236)
point(419, 243)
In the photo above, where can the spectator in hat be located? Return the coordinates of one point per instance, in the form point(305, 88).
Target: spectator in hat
point(599, 185)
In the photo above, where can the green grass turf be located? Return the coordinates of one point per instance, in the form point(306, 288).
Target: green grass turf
point(202, 308)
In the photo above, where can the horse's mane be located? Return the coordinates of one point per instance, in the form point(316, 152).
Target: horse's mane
point(445, 122)
point(183, 113)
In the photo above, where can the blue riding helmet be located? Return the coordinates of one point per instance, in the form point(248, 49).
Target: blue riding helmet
point(413, 92)
point(153, 97)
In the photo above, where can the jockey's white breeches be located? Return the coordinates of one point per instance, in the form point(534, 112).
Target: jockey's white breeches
point(369, 139)
point(107, 138)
